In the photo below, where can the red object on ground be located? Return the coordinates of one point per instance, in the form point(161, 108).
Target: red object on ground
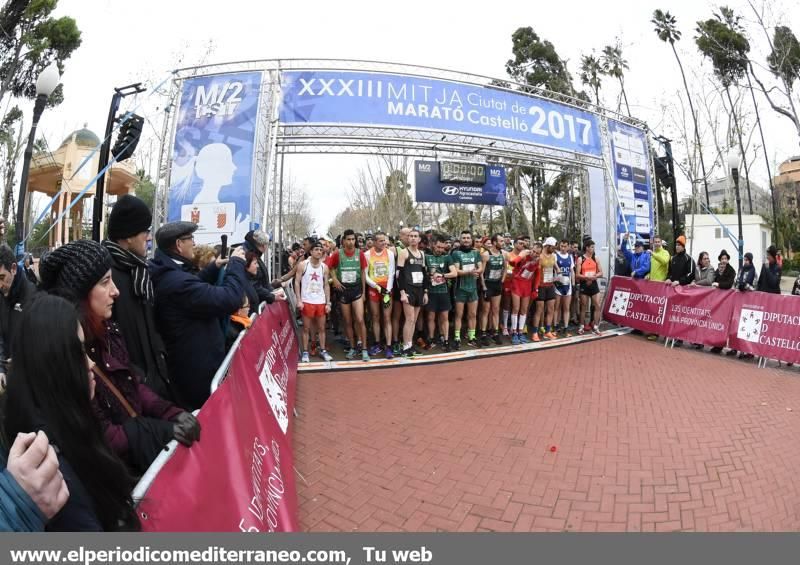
point(553, 448)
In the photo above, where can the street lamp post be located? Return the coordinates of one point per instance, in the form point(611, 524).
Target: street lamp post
point(45, 85)
point(733, 165)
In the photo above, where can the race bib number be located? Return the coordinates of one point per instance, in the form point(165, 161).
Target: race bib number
point(495, 274)
point(416, 277)
point(315, 287)
point(468, 268)
point(526, 274)
point(381, 270)
point(349, 277)
point(437, 279)
point(564, 280)
point(589, 274)
point(547, 276)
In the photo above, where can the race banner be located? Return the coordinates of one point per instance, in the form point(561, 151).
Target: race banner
point(211, 173)
point(239, 477)
point(697, 314)
point(766, 325)
point(639, 304)
point(396, 100)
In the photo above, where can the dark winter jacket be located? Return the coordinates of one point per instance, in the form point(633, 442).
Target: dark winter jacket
point(770, 278)
point(119, 427)
point(136, 319)
point(681, 269)
point(260, 281)
point(19, 295)
point(747, 277)
point(726, 279)
point(622, 266)
point(796, 287)
point(188, 312)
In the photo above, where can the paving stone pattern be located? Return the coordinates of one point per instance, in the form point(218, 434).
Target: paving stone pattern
point(646, 439)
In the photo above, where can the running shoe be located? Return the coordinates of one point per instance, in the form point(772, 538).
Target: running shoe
point(456, 344)
point(397, 348)
point(565, 333)
point(375, 349)
point(305, 358)
point(446, 346)
point(350, 354)
point(411, 352)
point(486, 341)
point(430, 345)
point(587, 327)
point(325, 355)
point(498, 339)
point(550, 335)
point(389, 353)
point(596, 330)
point(581, 330)
point(473, 342)
point(515, 339)
point(505, 332)
point(535, 337)
point(364, 355)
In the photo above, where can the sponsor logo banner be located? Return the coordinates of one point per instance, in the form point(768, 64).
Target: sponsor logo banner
point(239, 477)
point(767, 325)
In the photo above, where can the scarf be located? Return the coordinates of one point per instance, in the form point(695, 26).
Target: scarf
point(142, 286)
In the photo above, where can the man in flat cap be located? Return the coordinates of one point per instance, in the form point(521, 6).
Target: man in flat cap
point(188, 309)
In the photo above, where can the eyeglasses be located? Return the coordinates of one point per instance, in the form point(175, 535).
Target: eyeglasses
point(186, 238)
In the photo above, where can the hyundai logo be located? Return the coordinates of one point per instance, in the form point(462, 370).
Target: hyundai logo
point(450, 190)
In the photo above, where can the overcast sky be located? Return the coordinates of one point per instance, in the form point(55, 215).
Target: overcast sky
point(128, 41)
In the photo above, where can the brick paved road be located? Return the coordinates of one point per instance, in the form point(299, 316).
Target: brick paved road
point(646, 440)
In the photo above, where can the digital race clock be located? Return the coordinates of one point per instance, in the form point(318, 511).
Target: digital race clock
point(455, 171)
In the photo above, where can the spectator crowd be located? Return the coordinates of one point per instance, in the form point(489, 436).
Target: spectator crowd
point(105, 355)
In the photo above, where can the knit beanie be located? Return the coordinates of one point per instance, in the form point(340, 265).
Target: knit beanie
point(76, 267)
point(129, 216)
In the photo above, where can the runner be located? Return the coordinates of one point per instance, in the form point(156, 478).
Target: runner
point(346, 267)
point(516, 247)
point(468, 262)
point(440, 269)
point(413, 288)
point(314, 301)
point(397, 309)
point(563, 285)
point(525, 278)
point(588, 271)
point(494, 273)
point(379, 275)
point(545, 303)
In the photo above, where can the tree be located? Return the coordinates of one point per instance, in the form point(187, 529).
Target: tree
point(536, 63)
point(381, 187)
point(591, 70)
point(721, 39)
point(668, 32)
point(784, 64)
point(615, 66)
point(11, 133)
point(31, 40)
point(144, 188)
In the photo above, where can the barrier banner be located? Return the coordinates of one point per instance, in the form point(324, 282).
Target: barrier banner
point(766, 325)
point(698, 314)
point(239, 476)
point(636, 303)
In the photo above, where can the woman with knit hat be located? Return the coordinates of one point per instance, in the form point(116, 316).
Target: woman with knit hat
point(137, 423)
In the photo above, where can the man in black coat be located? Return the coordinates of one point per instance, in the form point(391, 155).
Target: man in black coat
point(189, 308)
point(128, 234)
point(16, 292)
point(681, 266)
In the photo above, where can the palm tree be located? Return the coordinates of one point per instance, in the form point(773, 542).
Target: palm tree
point(615, 66)
point(591, 69)
point(667, 31)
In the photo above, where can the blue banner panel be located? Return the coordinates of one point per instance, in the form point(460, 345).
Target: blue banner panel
point(212, 159)
point(430, 189)
point(632, 177)
point(380, 99)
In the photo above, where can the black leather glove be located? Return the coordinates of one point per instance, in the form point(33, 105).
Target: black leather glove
point(186, 429)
